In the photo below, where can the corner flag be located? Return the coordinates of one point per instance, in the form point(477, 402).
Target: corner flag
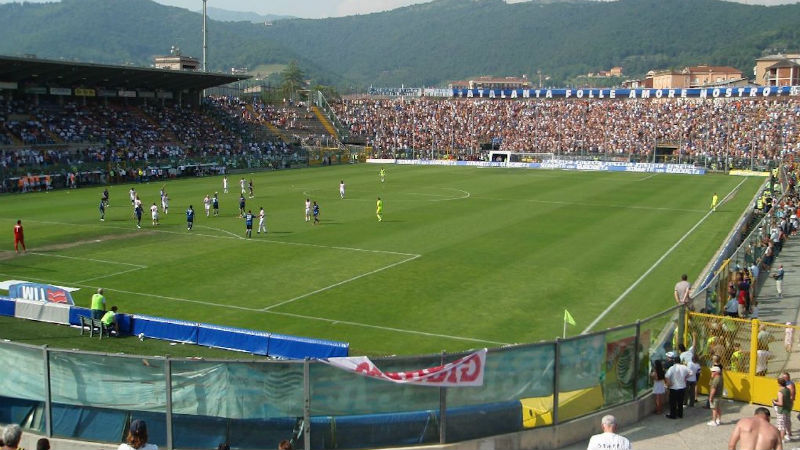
point(568, 318)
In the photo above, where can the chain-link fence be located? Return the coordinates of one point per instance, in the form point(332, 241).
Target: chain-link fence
point(724, 339)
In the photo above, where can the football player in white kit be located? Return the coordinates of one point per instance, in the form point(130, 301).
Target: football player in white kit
point(308, 210)
point(165, 203)
point(341, 189)
point(154, 213)
point(262, 216)
point(207, 205)
point(225, 184)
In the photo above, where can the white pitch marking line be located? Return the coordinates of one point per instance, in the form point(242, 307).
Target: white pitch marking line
point(379, 327)
point(110, 275)
point(646, 178)
point(429, 195)
point(308, 294)
point(656, 264)
point(216, 236)
point(322, 319)
point(177, 299)
point(466, 195)
point(557, 202)
point(138, 266)
point(224, 231)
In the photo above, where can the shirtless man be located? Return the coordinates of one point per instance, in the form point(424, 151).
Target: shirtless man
point(756, 433)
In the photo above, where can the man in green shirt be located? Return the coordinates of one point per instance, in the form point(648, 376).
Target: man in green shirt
point(784, 404)
point(98, 304)
point(110, 321)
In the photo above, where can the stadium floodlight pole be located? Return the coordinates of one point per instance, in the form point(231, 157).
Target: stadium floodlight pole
point(205, 37)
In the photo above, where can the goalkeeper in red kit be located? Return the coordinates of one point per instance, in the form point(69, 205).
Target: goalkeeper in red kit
point(19, 237)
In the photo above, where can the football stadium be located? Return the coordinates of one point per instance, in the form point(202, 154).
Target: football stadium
point(462, 267)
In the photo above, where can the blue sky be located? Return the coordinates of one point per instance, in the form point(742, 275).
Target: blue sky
point(330, 8)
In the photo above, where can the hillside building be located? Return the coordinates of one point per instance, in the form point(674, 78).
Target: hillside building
point(697, 76)
point(176, 61)
point(614, 72)
point(778, 70)
point(489, 82)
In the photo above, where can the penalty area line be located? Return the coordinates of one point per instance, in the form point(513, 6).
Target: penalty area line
point(53, 255)
point(308, 294)
point(111, 275)
point(658, 262)
point(298, 316)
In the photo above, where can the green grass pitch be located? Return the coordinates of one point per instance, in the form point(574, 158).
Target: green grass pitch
point(464, 258)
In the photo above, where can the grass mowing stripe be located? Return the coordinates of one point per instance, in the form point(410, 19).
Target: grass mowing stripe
point(656, 264)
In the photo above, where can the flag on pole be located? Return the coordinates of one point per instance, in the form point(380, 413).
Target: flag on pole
point(568, 318)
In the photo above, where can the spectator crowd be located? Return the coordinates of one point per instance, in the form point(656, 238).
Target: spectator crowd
point(741, 128)
point(117, 140)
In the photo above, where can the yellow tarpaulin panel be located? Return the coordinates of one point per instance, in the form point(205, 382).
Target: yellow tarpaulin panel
point(538, 411)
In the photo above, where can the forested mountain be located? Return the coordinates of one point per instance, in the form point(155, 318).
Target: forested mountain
point(224, 15)
point(453, 39)
point(426, 44)
point(133, 32)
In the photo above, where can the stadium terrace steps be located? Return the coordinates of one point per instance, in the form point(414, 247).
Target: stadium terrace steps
point(305, 125)
point(56, 138)
point(15, 139)
point(270, 127)
point(325, 122)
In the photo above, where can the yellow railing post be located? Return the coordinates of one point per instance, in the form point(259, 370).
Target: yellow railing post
point(686, 332)
point(751, 373)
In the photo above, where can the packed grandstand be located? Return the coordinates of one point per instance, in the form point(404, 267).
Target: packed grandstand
point(49, 138)
point(47, 141)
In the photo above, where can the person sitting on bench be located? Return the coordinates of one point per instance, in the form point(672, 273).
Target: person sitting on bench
point(110, 321)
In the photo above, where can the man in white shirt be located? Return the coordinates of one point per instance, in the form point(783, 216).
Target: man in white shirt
point(225, 184)
point(154, 214)
point(675, 378)
point(207, 205)
point(341, 189)
point(165, 203)
point(608, 439)
point(261, 218)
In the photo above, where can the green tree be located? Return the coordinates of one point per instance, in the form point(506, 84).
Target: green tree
point(292, 79)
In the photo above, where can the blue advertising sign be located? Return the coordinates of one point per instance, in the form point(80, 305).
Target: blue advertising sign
point(40, 292)
point(716, 92)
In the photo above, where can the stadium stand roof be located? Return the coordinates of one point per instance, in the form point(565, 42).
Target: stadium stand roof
point(44, 72)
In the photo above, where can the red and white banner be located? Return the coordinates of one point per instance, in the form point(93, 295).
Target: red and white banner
point(466, 371)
